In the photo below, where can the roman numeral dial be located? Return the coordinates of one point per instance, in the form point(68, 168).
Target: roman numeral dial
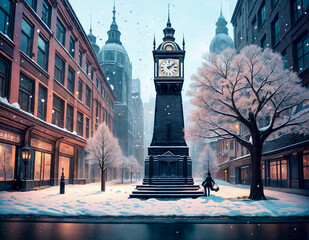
point(169, 67)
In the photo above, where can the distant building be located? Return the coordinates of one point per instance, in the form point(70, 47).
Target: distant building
point(138, 120)
point(48, 67)
point(282, 26)
point(222, 40)
point(117, 68)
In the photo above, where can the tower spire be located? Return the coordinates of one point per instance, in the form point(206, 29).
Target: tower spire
point(168, 20)
point(183, 42)
point(91, 20)
point(154, 42)
point(114, 13)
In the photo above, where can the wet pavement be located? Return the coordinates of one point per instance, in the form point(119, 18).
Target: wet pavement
point(153, 231)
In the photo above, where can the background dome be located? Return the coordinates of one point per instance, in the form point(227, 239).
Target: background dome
point(113, 52)
point(220, 42)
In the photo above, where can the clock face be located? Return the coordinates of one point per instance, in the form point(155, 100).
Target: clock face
point(168, 67)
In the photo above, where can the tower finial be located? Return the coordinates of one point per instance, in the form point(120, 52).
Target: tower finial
point(168, 20)
point(114, 13)
point(154, 42)
point(221, 10)
point(183, 42)
point(91, 20)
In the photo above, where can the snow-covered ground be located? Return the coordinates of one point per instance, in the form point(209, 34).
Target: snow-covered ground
point(88, 200)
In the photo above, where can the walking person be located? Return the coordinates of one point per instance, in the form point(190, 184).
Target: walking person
point(208, 183)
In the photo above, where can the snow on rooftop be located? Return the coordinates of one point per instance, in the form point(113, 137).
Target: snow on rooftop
point(88, 200)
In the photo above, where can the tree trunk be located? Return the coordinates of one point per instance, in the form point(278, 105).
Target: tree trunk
point(122, 175)
point(102, 180)
point(131, 176)
point(256, 184)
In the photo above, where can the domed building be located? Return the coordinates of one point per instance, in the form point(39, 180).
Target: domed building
point(116, 65)
point(222, 40)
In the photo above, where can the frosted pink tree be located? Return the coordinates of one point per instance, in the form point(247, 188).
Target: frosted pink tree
point(133, 166)
point(123, 165)
point(249, 88)
point(103, 149)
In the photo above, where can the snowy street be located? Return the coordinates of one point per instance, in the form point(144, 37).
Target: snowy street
point(88, 200)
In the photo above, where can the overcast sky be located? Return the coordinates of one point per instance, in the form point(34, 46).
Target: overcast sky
point(140, 20)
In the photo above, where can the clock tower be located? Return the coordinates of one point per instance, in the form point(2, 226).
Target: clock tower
point(168, 167)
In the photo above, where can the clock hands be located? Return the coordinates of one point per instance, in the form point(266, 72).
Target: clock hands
point(168, 67)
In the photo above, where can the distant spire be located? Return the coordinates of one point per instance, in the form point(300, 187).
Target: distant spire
point(168, 20)
point(91, 20)
point(114, 13)
point(154, 42)
point(183, 42)
point(221, 10)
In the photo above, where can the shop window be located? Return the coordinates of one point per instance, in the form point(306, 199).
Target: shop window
point(71, 80)
point(273, 170)
point(69, 118)
point(32, 4)
point(302, 53)
point(6, 17)
point(42, 166)
point(42, 53)
point(263, 170)
point(42, 102)
point(26, 94)
point(46, 13)
point(64, 162)
point(88, 96)
point(244, 175)
point(59, 69)
point(80, 124)
point(80, 90)
point(284, 170)
point(7, 161)
point(72, 47)
point(60, 32)
point(26, 38)
point(4, 78)
point(58, 111)
point(306, 166)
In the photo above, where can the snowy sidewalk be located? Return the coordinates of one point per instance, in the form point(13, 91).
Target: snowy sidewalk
point(88, 200)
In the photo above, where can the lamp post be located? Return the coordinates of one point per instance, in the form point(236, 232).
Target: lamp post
point(26, 156)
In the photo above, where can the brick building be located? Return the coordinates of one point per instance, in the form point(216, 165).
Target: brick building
point(282, 25)
point(51, 86)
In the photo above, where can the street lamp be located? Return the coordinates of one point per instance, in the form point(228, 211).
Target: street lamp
point(26, 156)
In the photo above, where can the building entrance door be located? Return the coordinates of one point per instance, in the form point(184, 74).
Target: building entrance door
point(66, 163)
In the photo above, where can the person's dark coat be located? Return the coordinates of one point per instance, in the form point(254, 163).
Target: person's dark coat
point(208, 182)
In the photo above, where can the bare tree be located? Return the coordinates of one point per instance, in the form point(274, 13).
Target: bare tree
point(133, 166)
point(246, 89)
point(123, 165)
point(207, 160)
point(103, 149)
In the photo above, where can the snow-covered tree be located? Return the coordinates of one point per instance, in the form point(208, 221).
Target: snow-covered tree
point(207, 160)
point(123, 164)
point(248, 89)
point(103, 149)
point(133, 166)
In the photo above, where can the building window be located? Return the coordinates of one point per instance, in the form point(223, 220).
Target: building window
point(87, 68)
point(102, 90)
point(97, 83)
point(42, 102)
point(60, 32)
point(32, 4)
point(254, 29)
point(273, 170)
point(109, 55)
point(71, 80)
point(91, 75)
point(284, 170)
point(275, 31)
point(69, 118)
point(59, 69)
point(46, 13)
point(88, 96)
point(263, 42)
point(42, 166)
point(262, 14)
point(87, 127)
point(302, 53)
point(6, 17)
point(97, 112)
point(26, 38)
point(298, 8)
point(26, 94)
point(80, 58)
point(80, 90)
point(4, 78)
point(42, 53)
point(80, 124)
point(72, 47)
point(231, 144)
point(306, 166)
point(7, 161)
point(58, 111)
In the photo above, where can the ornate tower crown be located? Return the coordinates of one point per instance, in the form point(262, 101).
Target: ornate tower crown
point(221, 24)
point(168, 31)
point(113, 33)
